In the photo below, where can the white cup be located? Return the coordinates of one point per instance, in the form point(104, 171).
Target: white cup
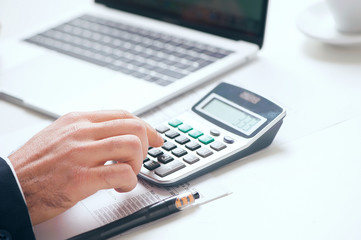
point(347, 15)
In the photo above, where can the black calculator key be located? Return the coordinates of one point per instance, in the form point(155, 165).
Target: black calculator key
point(193, 145)
point(204, 152)
point(169, 168)
point(182, 139)
point(218, 146)
point(179, 152)
point(151, 165)
point(169, 146)
point(162, 128)
point(155, 152)
point(165, 158)
point(190, 158)
point(172, 134)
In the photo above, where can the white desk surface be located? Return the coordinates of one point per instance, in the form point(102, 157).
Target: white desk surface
point(306, 185)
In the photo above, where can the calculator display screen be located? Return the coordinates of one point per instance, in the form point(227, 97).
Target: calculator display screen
point(231, 115)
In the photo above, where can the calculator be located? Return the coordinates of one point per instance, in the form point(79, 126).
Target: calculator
point(227, 124)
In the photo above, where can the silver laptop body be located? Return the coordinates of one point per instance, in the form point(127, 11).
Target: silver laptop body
point(132, 55)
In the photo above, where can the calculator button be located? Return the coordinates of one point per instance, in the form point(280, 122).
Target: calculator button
point(169, 146)
point(146, 159)
point(182, 140)
point(179, 152)
point(151, 165)
point(205, 139)
point(155, 152)
point(169, 168)
point(193, 145)
point(218, 146)
point(175, 123)
point(162, 128)
point(172, 134)
point(228, 139)
point(165, 158)
point(214, 132)
point(190, 158)
point(204, 152)
point(185, 128)
point(195, 133)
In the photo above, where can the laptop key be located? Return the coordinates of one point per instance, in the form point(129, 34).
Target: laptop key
point(163, 83)
point(173, 74)
point(152, 56)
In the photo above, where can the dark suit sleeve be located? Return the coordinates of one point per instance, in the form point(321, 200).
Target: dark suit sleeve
point(15, 221)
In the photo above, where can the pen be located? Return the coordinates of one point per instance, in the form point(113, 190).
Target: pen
point(147, 214)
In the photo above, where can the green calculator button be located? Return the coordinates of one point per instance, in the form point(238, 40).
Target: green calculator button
point(175, 123)
point(195, 133)
point(185, 128)
point(205, 139)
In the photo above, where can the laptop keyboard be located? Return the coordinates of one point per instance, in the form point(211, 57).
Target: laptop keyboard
point(148, 55)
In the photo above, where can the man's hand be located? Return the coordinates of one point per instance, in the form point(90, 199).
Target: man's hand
point(64, 163)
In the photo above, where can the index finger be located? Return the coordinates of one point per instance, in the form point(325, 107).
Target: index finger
point(108, 115)
point(154, 138)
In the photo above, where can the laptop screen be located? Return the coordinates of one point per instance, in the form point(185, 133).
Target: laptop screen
point(235, 19)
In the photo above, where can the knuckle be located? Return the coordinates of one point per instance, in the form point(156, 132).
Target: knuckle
point(131, 180)
point(80, 148)
point(72, 116)
point(74, 151)
point(113, 144)
point(138, 126)
point(121, 176)
point(131, 142)
point(76, 175)
point(124, 114)
point(134, 143)
point(135, 153)
point(78, 131)
point(132, 183)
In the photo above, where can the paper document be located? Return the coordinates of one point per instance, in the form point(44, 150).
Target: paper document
point(106, 206)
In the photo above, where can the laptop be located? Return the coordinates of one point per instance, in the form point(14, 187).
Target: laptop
point(130, 54)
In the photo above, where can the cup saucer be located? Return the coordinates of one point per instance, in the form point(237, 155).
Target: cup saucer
point(317, 22)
